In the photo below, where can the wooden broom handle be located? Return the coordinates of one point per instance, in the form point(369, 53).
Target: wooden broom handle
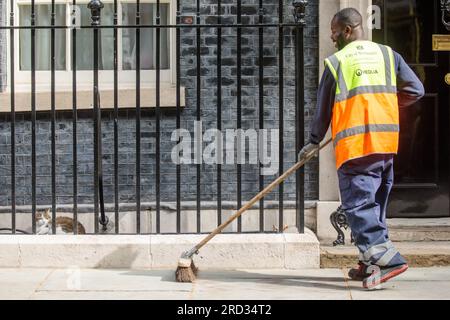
point(260, 195)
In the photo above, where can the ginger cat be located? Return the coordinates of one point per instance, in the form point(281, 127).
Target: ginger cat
point(64, 225)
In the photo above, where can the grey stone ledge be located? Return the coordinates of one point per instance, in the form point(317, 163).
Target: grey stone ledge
point(169, 206)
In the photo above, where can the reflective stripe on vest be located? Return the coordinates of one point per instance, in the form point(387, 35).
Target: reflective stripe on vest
point(365, 113)
point(366, 129)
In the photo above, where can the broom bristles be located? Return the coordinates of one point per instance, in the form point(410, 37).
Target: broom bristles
point(186, 274)
point(194, 268)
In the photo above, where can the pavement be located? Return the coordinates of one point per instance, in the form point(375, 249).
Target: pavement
point(328, 284)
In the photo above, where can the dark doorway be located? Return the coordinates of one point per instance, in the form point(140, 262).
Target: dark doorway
point(422, 165)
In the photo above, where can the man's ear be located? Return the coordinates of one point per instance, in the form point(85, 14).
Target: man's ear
point(348, 31)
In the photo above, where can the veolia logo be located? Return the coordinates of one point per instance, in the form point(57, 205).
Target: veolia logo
point(360, 72)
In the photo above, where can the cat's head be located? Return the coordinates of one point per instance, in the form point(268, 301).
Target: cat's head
point(43, 218)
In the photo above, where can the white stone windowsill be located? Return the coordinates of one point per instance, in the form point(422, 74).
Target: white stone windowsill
point(63, 99)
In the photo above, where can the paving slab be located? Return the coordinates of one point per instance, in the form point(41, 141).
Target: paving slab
point(425, 274)
point(414, 284)
point(272, 284)
point(267, 284)
point(108, 295)
point(114, 280)
point(21, 283)
point(404, 290)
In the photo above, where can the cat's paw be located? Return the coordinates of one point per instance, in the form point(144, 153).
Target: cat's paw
point(42, 231)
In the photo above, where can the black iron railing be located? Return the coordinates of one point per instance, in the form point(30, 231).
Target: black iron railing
point(182, 22)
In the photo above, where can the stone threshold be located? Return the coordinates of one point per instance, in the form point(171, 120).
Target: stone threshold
point(225, 251)
point(418, 222)
point(418, 254)
point(415, 229)
point(400, 229)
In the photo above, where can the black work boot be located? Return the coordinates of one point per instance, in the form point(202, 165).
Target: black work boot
point(358, 274)
point(381, 275)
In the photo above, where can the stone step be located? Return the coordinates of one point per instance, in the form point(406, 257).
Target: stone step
point(418, 254)
point(432, 229)
point(405, 229)
point(158, 252)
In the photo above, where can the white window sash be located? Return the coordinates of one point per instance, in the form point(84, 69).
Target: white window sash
point(127, 78)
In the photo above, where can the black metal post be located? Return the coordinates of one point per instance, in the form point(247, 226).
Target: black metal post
point(281, 115)
point(299, 15)
point(178, 120)
point(261, 108)
point(13, 124)
point(219, 112)
point(239, 113)
point(138, 117)
point(198, 111)
point(53, 111)
point(95, 6)
point(33, 117)
point(158, 119)
point(116, 121)
point(74, 121)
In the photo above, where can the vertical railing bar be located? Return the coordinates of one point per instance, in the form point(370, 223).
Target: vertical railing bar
point(158, 118)
point(138, 118)
point(74, 121)
point(116, 122)
point(198, 113)
point(95, 16)
point(239, 111)
point(219, 110)
point(302, 133)
point(95, 114)
point(33, 117)
point(178, 111)
point(281, 115)
point(297, 131)
point(299, 113)
point(104, 218)
point(261, 108)
point(13, 124)
point(53, 121)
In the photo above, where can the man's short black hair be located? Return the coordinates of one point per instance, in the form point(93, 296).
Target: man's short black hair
point(349, 17)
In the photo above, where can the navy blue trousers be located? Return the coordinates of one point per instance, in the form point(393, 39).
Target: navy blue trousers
point(365, 184)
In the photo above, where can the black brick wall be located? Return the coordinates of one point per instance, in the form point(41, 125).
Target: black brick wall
point(208, 112)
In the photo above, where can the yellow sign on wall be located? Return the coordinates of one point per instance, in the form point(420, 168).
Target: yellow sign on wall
point(441, 42)
point(447, 79)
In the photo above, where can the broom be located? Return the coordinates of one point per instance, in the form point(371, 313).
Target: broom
point(186, 270)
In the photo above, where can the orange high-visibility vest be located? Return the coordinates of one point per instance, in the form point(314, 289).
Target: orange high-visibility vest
point(365, 112)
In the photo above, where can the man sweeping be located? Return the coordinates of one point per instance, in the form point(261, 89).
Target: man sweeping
point(360, 92)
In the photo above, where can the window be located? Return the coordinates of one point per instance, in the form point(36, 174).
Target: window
point(42, 12)
point(84, 45)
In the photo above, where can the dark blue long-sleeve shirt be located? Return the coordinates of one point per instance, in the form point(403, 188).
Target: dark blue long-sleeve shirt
point(409, 90)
